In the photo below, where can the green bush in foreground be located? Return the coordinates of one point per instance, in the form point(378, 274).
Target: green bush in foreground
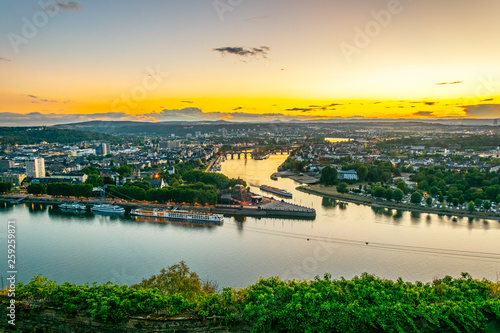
point(362, 304)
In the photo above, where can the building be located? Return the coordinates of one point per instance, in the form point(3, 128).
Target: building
point(35, 167)
point(14, 178)
point(156, 182)
point(347, 175)
point(102, 149)
point(6, 165)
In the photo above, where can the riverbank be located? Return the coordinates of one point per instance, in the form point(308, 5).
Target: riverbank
point(303, 179)
point(331, 192)
point(267, 208)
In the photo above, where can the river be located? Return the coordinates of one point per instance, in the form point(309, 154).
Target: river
point(344, 240)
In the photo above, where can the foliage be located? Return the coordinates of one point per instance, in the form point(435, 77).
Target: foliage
point(66, 189)
point(218, 180)
point(328, 176)
point(342, 188)
point(34, 135)
point(416, 198)
point(362, 304)
point(465, 185)
point(177, 279)
point(36, 189)
point(5, 187)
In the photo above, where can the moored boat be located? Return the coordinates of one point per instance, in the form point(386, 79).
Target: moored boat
point(179, 214)
point(73, 206)
point(104, 208)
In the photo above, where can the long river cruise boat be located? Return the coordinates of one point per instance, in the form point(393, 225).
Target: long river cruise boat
point(277, 191)
point(179, 215)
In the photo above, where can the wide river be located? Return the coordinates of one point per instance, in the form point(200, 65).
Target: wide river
point(344, 240)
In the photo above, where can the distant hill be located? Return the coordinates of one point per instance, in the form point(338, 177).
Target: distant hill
point(33, 135)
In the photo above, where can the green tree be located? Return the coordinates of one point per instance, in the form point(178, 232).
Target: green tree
point(487, 204)
point(388, 194)
point(416, 198)
point(5, 187)
point(177, 279)
point(362, 173)
point(94, 180)
point(428, 201)
point(328, 176)
point(403, 187)
point(398, 195)
point(36, 189)
point(471, 207)
point(342, 188)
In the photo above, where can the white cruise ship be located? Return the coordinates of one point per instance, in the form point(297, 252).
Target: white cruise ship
point(179, 214)
point(104, 208)
point(73, 206)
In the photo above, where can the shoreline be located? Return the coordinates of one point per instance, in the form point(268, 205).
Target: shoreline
point(392, 205)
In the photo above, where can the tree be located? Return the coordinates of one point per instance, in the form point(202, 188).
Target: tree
point(5, 187)
point(362, 172)
point(416, 198)
point(379, 192)
point(177, 279)
point(471, 207)
point(94, 180)
point(461, 199)
point(388, 194)
point(342, 188)
point(36, 189)
point(328, 176)
point(487, 204)
point(398, 195)
point(428, 201)
point(403, 187)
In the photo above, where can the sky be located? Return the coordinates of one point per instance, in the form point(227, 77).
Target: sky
point(247, 60)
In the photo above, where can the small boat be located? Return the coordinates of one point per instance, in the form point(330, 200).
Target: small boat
point(277, 191)
point(179, 214)
point(104, 208)
point(73, 206)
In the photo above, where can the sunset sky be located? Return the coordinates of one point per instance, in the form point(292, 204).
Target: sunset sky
point(244, 60)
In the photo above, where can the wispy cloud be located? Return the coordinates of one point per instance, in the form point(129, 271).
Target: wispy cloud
point(187, 102)
point(55, 6)
point(43, 99)
point(443, 83)
point(4, 59)
point(244, 52)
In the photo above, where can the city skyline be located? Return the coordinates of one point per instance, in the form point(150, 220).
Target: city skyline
point(70, 61)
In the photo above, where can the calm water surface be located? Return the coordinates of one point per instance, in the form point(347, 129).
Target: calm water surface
point(85, 248)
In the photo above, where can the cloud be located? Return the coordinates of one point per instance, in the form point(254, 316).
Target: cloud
point(299, 109)
point(44, 99)
point(4, 59)
point(70, 5)
point(238, 108)
point(443, 83)
point(423, 114)
point(244, 52)
point(187, 102)
point(430, 103)
point(483, 111)
point(256, 18)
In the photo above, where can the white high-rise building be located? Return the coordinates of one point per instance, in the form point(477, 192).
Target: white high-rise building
point(35, 167)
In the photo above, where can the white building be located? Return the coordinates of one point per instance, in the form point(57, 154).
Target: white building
point(347, 175)
point(35, 167)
